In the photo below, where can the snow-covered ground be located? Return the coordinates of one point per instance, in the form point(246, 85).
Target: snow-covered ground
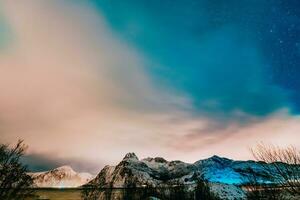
point(228, 191)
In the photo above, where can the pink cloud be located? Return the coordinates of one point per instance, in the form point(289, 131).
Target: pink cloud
point(70, 88)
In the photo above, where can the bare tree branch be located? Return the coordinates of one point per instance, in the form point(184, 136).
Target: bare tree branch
point(284, 165)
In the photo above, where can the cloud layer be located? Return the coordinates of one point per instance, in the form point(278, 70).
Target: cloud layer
point(66, 80)
point(72, 89)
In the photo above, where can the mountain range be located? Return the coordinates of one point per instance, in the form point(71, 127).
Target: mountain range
point(154, 172)
point(158, 172)
point(224, 175)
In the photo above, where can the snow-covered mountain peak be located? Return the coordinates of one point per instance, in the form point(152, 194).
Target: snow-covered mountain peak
point(216, 161)
point(65, 169)
point(130, 156)
point(61, 177)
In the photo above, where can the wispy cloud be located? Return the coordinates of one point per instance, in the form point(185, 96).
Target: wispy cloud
point(66, 81)
point(72, 89)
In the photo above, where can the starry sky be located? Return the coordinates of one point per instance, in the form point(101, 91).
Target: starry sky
point(85, 82)
point(201, 44)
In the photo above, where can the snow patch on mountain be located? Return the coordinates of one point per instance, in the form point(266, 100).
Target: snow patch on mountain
point(61, 177)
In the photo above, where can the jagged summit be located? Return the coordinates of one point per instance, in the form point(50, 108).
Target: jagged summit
point(130, 155)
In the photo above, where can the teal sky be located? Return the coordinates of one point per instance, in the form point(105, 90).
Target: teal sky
point(241, 55)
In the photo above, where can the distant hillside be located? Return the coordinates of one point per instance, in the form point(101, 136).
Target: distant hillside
point(61, 177)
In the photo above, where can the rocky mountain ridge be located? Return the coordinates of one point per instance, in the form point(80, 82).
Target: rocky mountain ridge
point(158, 172)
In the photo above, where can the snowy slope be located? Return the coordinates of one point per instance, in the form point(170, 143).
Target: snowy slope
point(227, 191)
point(61, 177)
point(223, 170)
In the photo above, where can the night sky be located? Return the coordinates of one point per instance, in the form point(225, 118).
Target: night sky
point(200, 44)
point(178, 79)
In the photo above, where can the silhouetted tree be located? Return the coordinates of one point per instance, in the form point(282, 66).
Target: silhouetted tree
point(14, 181)
point(285, 166)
